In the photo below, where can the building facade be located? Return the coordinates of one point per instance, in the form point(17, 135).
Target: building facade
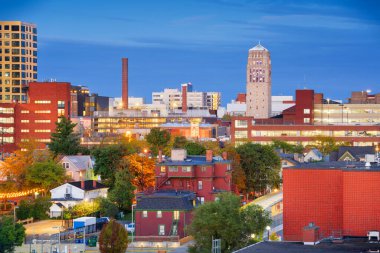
point(259, 82)
point(313, 116)
point(338, 197)
point(35, 119)
point(18, 59)
point(205, 175)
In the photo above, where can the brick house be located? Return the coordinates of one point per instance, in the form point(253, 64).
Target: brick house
point(164, 214)
point(206, 176)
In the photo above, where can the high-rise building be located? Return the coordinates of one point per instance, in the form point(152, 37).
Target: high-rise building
point(259, 82)
point(18, 59)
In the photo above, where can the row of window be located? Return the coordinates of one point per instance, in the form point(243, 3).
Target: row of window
point(37, 140)
point(18, 66)
point(159, 214)
point(184, 169)
point(305, 133)
point(36, 121)
point(17, 28)
point(36, 130)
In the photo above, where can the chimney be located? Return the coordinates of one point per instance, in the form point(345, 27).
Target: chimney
point(160, 156)
point(82, 184)
point(209, 155)
point(93, 183)
point(124, 83)
point(224, 156)
point(184, 97)
point(311, 234)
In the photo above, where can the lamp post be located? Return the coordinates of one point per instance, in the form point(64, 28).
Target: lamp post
point(133, 230)
point(14, 214)
point(268, 229)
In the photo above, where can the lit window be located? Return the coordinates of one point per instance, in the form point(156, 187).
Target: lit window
point(24, 121)
point(176, 215)
point(161, 229)
point(173, 169)
point(42, 102)
point(42, 121)
point(306, 111)
point(200, 185)
point(42, 130)
point(24, 111)
point(43, 111)
point(241, 123)
point(203, 169)
point(24, 130)
point(6, 120)
point(163, 169)
point(306, 120)
point(6, 110)
point(186, 168)
point(241, 134)
point(159, 214)
point(145, 214)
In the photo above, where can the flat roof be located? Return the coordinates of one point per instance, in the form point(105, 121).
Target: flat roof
point(337, 165)
point(323, 247)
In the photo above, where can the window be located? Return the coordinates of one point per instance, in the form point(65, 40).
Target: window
point(24, 111)
point(42, 131)
point(24, 130)
point(145, 214)
point(306, 111)
point(161, 229)
point(61, 104)
point(6, 110)
point(24, 121)
point(186, 168)
point(306, 120)
point(159, 214)
point(241, 134)
point(43, 111)
point(200, 185)
point(163, 169)
point(6, 120)
point(173, 169)
point(241, 123)
point(176, 215)
point(65, 165)
point(203, 169)
point(42, 121)
point(42, 102)
point(201, 199)
point(61, 112)
point(228, 167)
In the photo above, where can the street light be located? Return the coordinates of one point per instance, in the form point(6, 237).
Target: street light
point(133, 230)
point(268, 229)
point(14, 214)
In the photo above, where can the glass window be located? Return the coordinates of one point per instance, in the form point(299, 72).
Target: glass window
point(15, 28)
point(200, 185)
point(161, 229)
point(176, 215)
point(306, 120)
point(163, 169)
point(61, 104)
point(203, 169)
point(173, 169)
point(186, 168)
point(145, 214)
point(241, 134)
point(306, 111)
point(159, 214)
point(241, 123)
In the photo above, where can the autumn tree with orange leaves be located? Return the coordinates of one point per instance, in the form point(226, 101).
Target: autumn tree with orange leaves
point(141, 169)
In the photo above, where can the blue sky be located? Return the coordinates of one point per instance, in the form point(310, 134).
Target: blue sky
point(330, 46)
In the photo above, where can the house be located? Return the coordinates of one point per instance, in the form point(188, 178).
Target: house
point(79, 167)
point(314, 155)
point(206, 176)
point(72, 193)
point(354, 153)
point(164, 214)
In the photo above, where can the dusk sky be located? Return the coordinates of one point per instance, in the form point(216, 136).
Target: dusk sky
point(330, 46)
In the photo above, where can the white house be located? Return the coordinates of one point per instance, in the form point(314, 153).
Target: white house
point(79, 167)
point(314, 155)
point(72, 193)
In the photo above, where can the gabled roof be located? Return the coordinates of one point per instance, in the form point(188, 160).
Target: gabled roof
point(356, 151)
point(166, 200)
point(80, 161)
point(258, 47)
point(88, 185)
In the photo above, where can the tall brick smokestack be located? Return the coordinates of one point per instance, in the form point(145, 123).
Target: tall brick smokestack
point(184, 97)
point(124, 83)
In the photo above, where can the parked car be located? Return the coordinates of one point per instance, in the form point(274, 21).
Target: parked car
point(130, 227)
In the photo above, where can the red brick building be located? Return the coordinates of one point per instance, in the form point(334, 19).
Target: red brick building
point(204, 175)
point(163, 214)
point(312, 115)
point(36, 118)
point(341, 199)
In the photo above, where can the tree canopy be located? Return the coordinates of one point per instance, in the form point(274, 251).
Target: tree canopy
point(195, 148)
point(224, 219)
point(286, 147)
point(122, 192)
point(11, 234)
point(45, 175)
point(64, 141)
point(141, 169)
point(113, 238)
point(261, 166)
point(158, 139)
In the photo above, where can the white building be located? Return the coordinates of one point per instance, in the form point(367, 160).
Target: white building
point(281, 103)
point(133, 103)
point(72, 193)
point(79, 167)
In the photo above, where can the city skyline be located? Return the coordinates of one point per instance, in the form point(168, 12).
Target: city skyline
point(313, 44)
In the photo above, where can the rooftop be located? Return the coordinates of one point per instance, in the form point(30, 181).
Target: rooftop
point(343, 165)
point(194, 160)
point(258, 47)
point(166, 200)
point(324, 247)
point(88, 185)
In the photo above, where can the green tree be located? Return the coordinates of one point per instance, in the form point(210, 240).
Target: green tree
point(224, 219)
point(64, 141)
point(325, 144)
point(287, 148)
point(194, 148)
point(122, 192)
point(113, 238)
point(45, 175)
point(179, 142)
point(107, 208)
point(108, 160)
point(158, 139)
point(11, 234)
point(261, 166)
point(38, 209)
